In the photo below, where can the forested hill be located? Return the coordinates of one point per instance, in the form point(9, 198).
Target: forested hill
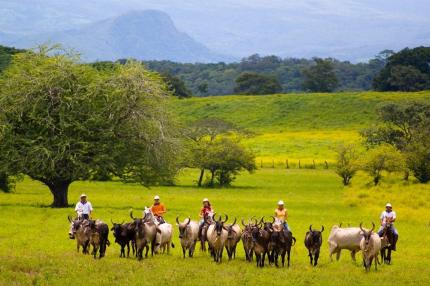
point(219, 78)
point(6, 56)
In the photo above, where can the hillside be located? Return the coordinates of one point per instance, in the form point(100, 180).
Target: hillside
point(296, 126)
point(143, 35)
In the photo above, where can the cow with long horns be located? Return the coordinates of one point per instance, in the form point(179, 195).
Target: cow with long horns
point(247, 239)
point(217, 236)
point(313, 241)
point(188, 234)
point(370, 246)
point(145, 233)
point(123, 237)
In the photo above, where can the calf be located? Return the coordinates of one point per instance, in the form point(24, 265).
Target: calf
point(313, 241)
point(370, 246)
point(217, 236)
point(188, 234)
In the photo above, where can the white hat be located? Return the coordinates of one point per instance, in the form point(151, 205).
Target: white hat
point(205, 200)
point(280, 203)
point(156, 197)
point(83, 195)
point(388, 205)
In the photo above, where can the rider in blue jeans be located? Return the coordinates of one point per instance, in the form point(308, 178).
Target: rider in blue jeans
point(388, 216)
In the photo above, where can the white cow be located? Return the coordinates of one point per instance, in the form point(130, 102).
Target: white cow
point(344, 238)
point(163, 239)
point(370, 246)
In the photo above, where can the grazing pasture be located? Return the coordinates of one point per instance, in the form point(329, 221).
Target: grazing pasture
point(35, 248)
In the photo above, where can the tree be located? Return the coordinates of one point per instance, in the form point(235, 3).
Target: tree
point(383, 158)
point(253, 83)
point(63, 121)
point(346, 165)
point(224, 159)
point(202, 133)
point(407, 70)
point(203, 88)
point(407, 127)
point(177, 86)
point(320, 77)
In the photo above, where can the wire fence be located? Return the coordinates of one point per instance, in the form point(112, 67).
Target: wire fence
point(294, 164)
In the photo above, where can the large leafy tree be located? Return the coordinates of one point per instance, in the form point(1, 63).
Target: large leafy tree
point(406, 127)
point(320, 77)
point(63, 121)
point(407, 70)
point(253, 83)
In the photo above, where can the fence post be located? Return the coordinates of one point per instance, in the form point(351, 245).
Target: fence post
point(261, 163)
point(313, 161)
point(286, 163)
point(300, 165)
point(326, 164)
point(273, 163)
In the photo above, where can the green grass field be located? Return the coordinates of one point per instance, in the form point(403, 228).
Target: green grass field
point(35, 248)
point(296, 126)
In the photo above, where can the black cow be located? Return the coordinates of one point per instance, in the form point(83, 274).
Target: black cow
point(313, 241)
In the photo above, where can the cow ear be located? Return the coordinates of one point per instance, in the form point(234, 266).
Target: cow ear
point(158, 230)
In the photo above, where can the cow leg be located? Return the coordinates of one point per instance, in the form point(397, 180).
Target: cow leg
point(338, 254)
point(310, 256)
point(147, 250)
point(128, 249)
point(288, 257)
point(317, 255)
point(352, 255)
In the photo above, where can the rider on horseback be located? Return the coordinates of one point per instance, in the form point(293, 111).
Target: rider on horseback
point(158, 209)
point(388, 217)
point(205, 211)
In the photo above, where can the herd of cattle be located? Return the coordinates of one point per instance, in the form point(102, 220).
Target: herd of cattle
point(259, 237)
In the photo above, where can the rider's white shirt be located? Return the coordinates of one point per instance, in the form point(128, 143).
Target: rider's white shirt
point(385, 215)
point(84, 208)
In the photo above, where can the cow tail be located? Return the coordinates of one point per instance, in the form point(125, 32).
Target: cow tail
point(294, 241)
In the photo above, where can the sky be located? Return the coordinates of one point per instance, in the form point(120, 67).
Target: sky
point(349, 29)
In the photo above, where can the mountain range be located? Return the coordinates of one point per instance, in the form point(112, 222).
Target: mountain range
point(143, 35)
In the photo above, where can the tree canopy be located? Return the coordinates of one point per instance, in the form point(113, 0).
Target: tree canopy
point(407, 70)
point(320, 77)
point(63, 121)
point(253, 83)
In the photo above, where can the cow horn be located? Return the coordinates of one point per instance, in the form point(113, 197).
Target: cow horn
point(69, 218)
point(262, 220)
point(189, 220)
point(131, 214)
point(234, 222)
point(310, 228)
point(112, 222)
point(273, 218)
point(373, 226)
point(322, 228)
point(123, 222)
point(226, 218)
point(177, 219)
point(144, 217)
point(256, 222)
point(361, 227)
point(219, 218)
point(243, 223)
point(340, 225)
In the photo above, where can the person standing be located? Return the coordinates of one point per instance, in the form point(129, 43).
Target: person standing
point(83, 208)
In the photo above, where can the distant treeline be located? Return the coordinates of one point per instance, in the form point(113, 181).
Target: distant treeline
point(219, 78)
point(406, 70)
